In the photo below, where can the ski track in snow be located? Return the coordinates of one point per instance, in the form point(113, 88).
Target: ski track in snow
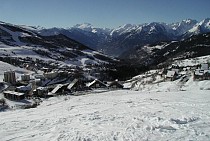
point(114, 115)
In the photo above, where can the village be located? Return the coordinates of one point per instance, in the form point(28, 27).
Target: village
point(54, 82)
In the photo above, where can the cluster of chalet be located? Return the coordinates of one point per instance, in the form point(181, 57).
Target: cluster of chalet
point(200, 72)
point(42, 85)
point(75, 86)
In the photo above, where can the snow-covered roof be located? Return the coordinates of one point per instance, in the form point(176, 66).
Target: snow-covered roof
point(72, 84)
point(57, 88)
point(25, 88)
point(42, 88)
point(198, 72)
point(176, 70)
point(13, 93)
point(204, 66)
point(183, 72)
point(201, 72)
point(94, 81)
point(170, 73)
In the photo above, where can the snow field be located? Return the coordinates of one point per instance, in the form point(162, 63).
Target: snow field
point(114, 115)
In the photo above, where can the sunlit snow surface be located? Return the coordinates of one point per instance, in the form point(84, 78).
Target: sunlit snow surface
point(114, 115)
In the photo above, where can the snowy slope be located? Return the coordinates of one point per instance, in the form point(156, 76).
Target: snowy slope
point(115, 115)
point(151, 81)
point(192, 61)
point(201, 27)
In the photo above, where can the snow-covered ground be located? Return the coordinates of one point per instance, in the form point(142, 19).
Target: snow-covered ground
point(192, 61)
point(114, 115)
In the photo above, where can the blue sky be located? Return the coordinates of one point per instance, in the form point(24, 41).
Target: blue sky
point(100, 13)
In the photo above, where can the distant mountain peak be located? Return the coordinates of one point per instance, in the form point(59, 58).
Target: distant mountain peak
point(126, 36)
point(201, 27)
point(89, 28)
point(205, 22)
point(126, 26)
point(84, 26)
point(189, 21)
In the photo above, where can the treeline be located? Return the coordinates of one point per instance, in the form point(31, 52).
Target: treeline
point(126, 71)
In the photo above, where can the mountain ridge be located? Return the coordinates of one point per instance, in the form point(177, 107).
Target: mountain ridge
point(123, 38)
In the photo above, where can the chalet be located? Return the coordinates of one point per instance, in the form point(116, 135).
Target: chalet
point(39, 76)
point(24, 89)
point(46, 69)
point(176, 70)
point(96, 84)
point(12, 95)
point(115, 84)
point(162, 72)
point(171, 75)
point(76, 85)
point(51, 75)
point(173, 66)
point(41, 91)
point(201, 75)
point(25, 77)
point(63, 74)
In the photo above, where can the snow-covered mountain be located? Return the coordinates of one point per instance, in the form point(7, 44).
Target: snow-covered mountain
point(126, 37)
point(165, 52)
point(85, 33)
point(146, 44)
point(180, 28)
point(25, 42)
point(201, 27)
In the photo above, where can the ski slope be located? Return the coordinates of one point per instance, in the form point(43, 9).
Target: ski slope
point(113, 115)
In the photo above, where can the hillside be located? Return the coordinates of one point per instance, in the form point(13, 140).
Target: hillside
point(165, 53)
point(23, 42)
point(23, 47)
point(155, 80)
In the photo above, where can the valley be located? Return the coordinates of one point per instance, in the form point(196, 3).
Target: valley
point(148, 82)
